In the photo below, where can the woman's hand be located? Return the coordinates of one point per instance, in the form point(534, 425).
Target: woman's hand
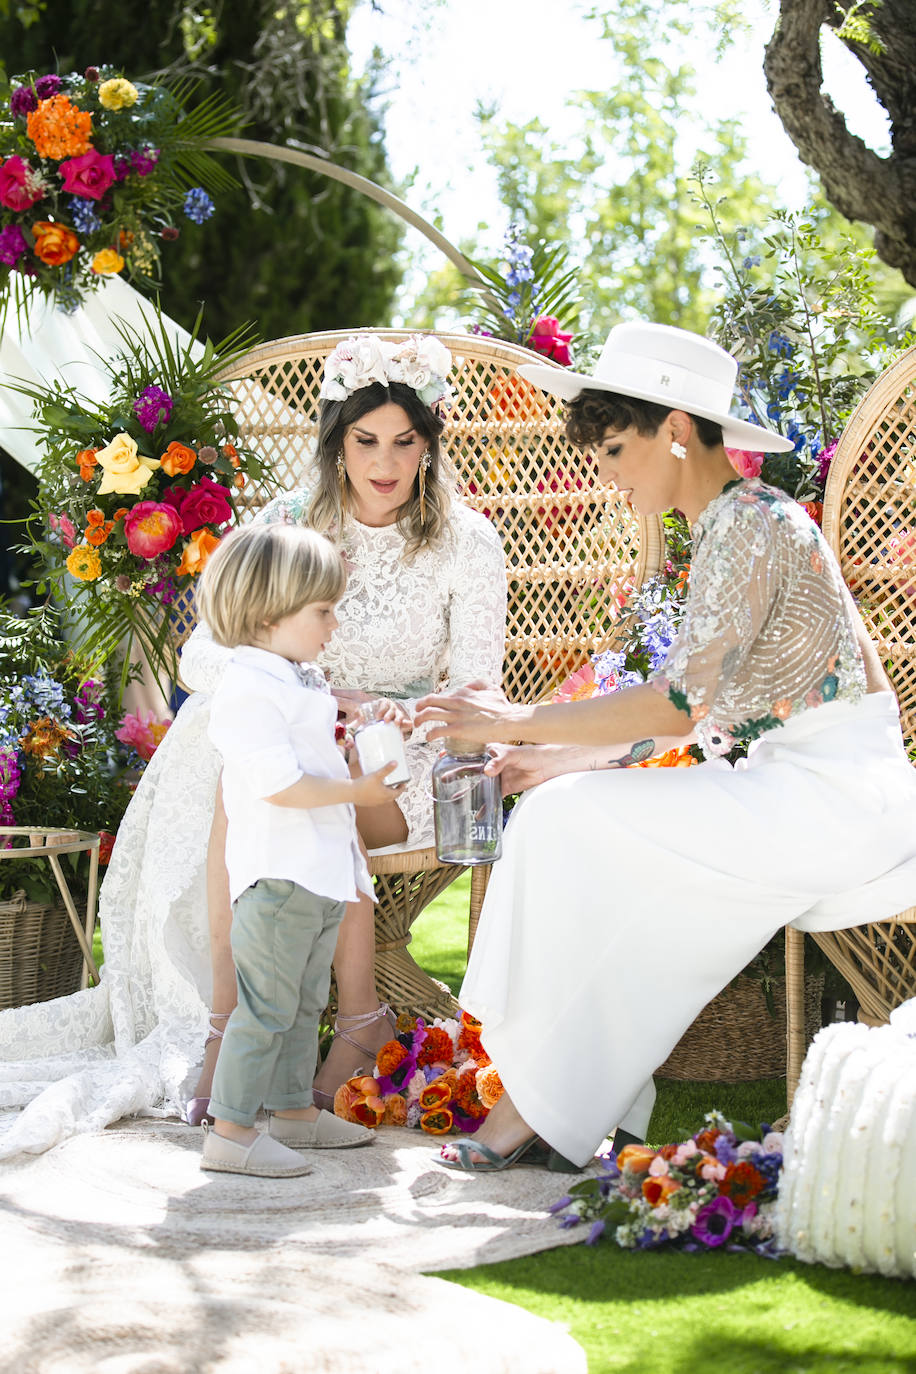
point(475, 712)
point(351, 701)
point(387, 709)
point(518, 766)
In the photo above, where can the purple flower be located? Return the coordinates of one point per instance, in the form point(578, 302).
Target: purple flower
point(726, 1152)
point(12, 244)
point(83, 215)
point(197, 205)
point(152, 407)
point(121, 167)
point(569, 1222)
point(23, 101)
point(595, 1233)
point(88, 702)
point(716, 1221)
point(46, 86)
point(561, 1205)
point(143, 160)
point(10, 776)
point(824, 459)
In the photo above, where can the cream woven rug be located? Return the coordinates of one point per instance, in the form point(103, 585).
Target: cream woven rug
point(122, 1257)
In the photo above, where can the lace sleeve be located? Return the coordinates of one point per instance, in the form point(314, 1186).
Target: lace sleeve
point(733, 584)
point(202, 662)
point(477, 611)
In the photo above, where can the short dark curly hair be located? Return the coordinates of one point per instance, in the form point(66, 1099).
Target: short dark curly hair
point(590, 414)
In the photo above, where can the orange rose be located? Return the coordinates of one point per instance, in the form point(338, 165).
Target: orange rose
point(55, 244)
point(636, 1158)
point(395, 1111)
point(489, 1086)
point(656, 1190)
point(178, 459)
point(196, 552)
point(239, 480)
point(120, 513)
point(87, 461)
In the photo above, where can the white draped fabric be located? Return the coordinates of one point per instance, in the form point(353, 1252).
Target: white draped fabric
point(626, 900)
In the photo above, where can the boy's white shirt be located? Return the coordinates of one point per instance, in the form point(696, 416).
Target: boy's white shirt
point(269, 729)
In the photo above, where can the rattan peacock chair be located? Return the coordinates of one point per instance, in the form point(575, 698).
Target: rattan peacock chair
point(870, 523)
point(572, 548)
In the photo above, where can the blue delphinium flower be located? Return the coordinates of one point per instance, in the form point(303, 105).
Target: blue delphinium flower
point(780, 345)
point(83, 215)
point(197, 205)
point(46, 695)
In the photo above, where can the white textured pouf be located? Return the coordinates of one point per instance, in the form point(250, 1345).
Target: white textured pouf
point(848, 1189)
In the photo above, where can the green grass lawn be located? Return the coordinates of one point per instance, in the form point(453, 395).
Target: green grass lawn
point(671, 1313)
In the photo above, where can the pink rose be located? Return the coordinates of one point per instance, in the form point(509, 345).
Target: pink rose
point(89, 175)
point(151, 528)
point(205, 504)
point(21, 186)
point(547, 338)
point(745, 464)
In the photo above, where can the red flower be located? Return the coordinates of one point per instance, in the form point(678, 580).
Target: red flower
point(89, 175)
point(742, 1182)
point(547, 338)
point(205, 504)
point(106, 846)
point(150, 528)
point(20, 185)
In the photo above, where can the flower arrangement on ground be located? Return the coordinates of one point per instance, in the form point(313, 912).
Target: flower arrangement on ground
point(715, 1190)
point(94, 171)
point(436, 1076)
point(134, 495)
point(60, 766)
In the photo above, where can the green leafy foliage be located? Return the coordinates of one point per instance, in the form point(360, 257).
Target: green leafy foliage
point(128, 575)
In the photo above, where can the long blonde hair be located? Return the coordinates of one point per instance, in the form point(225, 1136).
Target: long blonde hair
point(327, 513)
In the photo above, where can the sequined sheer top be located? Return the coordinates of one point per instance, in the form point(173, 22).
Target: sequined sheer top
point(768, 628)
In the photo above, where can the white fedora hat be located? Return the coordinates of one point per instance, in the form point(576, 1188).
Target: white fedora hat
point(670, 367)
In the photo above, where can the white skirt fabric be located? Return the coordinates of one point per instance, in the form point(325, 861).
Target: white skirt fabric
point(626, 900)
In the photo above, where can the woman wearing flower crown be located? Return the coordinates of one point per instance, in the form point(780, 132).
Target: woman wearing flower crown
point(424, 604)
point(626, 900)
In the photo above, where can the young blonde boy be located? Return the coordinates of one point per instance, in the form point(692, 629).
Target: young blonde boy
point(294, 861)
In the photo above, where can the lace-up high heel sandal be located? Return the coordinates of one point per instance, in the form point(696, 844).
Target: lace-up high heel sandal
point(343, 1028)
point(198, 1109)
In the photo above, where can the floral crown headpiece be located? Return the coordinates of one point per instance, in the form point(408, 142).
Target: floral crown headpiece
point(421, 362)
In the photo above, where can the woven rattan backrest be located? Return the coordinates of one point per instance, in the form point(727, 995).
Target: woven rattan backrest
point(572, 546)
point(870, 523)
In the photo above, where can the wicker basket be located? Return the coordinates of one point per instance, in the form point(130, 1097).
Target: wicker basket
point(736, 1039)
point(40, 957)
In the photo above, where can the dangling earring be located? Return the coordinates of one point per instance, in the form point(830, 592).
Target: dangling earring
point(424, 465)
point(678, 450)
point(342, 480)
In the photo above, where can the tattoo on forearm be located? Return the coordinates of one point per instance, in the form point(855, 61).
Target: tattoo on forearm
point(643, 749)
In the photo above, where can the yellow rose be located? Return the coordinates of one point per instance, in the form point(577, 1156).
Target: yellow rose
point(117, 94)
point(107, 262)
point(126, 470)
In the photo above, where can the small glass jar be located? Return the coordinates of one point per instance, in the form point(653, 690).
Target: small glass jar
point(379, 742)
point(467, 806)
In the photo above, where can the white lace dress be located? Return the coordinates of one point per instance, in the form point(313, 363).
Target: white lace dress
point(133, 1044)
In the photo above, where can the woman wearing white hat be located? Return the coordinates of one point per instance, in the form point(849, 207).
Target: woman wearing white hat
point(626, 900)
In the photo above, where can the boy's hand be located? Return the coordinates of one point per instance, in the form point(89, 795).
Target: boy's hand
point(371, 790)
point(386, 709)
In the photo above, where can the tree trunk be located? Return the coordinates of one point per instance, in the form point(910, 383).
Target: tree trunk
point(880, 191)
